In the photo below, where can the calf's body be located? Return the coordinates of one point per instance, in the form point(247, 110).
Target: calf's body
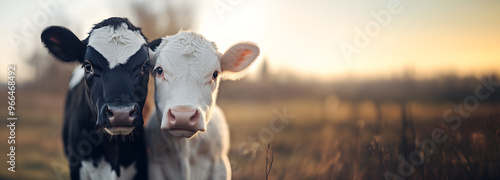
point(103, 126)
point(188, 135)
point(92, 154)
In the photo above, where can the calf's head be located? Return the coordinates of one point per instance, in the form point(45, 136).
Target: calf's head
point(187, 72)
point(116, 67)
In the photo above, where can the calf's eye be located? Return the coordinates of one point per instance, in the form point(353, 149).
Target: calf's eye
point(159, 71)
point(215, 75)
point(88, 68)
point(145, 67)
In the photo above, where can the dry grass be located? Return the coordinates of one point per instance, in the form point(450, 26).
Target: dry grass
point(312, 147)
point(321, 142)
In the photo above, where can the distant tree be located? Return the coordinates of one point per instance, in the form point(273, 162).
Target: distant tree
point(264, 70)
point(179, 15)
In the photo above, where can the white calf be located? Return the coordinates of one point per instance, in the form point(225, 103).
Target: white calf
point(187, 72)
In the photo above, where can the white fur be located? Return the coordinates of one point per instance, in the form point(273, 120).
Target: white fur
point(180, 158)
point(188, 61)
point(116, 45)
point(103, 171)
point(76, 78)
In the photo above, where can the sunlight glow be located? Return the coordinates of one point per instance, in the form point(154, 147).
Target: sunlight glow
point(304, 37)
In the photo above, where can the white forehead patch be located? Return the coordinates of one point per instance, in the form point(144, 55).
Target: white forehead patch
point(116, 45)
point(77, 77)
point(187, 53)
point(186, 44)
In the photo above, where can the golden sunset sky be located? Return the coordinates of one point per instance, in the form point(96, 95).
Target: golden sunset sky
point(305, 37)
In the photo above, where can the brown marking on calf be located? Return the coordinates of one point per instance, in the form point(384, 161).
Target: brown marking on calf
point(149, 105)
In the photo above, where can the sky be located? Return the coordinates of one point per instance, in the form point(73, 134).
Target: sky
point(307, 38)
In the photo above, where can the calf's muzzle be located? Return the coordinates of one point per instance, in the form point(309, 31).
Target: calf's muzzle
point(121, 117)
point(183, 121)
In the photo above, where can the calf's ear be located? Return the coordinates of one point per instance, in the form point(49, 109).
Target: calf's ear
point(154, 44)
point(237, 58)
point(63, 44)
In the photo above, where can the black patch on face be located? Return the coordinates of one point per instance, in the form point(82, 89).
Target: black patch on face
point(125, 83)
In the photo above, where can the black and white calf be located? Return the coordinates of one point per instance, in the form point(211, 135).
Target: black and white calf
point(103, 123)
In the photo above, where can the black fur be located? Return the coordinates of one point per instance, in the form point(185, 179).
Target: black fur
point(83, 135)
point(155, 43)
point(63, 44)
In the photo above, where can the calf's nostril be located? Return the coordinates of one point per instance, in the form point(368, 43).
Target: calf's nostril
point(109, 112)
point(194, 116)
point(171, 115)
point(133, 112)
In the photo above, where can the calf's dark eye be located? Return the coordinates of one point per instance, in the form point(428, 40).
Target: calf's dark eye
point(88, 68)
point(215, 75)
point(145, 67)
point(159, 71)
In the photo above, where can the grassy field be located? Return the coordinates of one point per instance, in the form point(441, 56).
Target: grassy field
point(318, 146)
point(324, 138)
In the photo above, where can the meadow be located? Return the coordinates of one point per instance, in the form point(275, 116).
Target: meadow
point(314, 131)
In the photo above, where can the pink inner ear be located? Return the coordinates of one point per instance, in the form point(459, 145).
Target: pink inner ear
point(243, 55)
point(55, 40)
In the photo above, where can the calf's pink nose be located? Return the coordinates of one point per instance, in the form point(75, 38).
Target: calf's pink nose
point(183, 118)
